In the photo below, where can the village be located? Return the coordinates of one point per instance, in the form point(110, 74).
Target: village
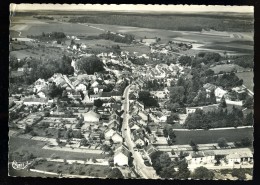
point(115, 113)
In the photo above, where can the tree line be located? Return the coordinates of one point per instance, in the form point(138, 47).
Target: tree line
point(218, 118)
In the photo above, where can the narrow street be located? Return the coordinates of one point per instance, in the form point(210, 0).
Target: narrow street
point(145, 171)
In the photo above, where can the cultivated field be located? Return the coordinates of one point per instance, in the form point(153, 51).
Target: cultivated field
point(211, 136)
point(248, 79)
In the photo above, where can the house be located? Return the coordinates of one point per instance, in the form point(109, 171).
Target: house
point(240, 91)
point(160, 116)
point(39, 84)
point(41, 94)
point(94, 84)
point(109, 133)
point(200, 158)
point(121, 155)
point(143, 115)
point(150, 149)
point(239, 157)
point(209, 87)
point(94, 97)
point(81, 87)
point(133, 126)
point(117, 138)
point(116, 106)
point(91, 116)
point(208, 108)
point(219, 92)
point(139, 141)
point(154, 118)
point(113, 124)
point(140, 104)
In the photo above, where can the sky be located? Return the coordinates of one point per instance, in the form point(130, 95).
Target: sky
point(130, 8)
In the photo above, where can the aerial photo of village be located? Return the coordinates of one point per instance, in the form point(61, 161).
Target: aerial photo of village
point(158, 94)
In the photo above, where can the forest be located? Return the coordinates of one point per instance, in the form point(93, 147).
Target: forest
point(179, 22)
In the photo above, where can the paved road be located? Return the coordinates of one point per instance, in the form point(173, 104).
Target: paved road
point(142, 169)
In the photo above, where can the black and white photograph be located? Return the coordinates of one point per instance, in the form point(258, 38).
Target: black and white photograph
point(131, 91)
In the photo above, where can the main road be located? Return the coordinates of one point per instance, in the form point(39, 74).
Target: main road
point(145, 171)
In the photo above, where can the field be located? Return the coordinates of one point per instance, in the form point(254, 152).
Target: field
point(35, 147)
point(24, 173)
point(248, 79)
point(211, 136)
point(30, 26)
point(214, 43)
point(226, 68)
point(74, 169)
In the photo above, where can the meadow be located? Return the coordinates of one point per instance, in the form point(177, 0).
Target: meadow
point(211, 136)
point(35, 147)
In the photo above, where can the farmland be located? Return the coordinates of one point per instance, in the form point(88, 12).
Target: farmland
point(211, 136)
point(247, 79)
point(217, 43)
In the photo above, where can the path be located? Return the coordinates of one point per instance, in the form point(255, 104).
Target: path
point(144, 171)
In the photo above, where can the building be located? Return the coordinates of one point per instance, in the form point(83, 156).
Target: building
point(91, 116)
point(117, 138)
point(150, 149)
point(109, 133)
point(121, 155)
point(219, 92)
point(200, 158)
point(208, 108)
point(209, 87)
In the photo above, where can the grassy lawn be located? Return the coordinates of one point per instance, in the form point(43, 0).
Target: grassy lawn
point(248, 79)
point(73, 169)
point(35, 147)
point(211, 136)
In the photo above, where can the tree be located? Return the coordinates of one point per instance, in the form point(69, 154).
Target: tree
point(169, 134)
point(115, 174)
point(84, 142)
point(249, 102)
point(172, 118)
point(98, 103)
point(246, 142)
point(212, 97)
point(168, 171)
point(147, 99)
point(222, 142)
point(55, 91)
point(223, 103)
point(172, 152)
point(203, 173)
point(177, 94)
point(185, 60)
point(183, 172)
point(249, 120)
point(90, 64)
point(194, 146)
point(239, 173)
